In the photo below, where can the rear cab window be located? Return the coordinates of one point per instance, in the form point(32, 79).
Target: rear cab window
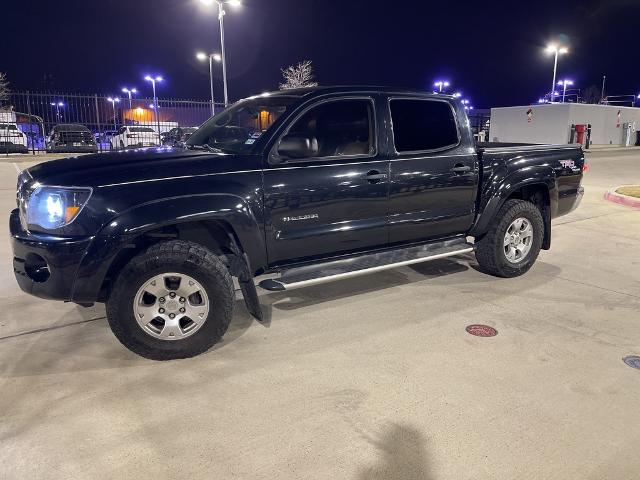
point(423, 125)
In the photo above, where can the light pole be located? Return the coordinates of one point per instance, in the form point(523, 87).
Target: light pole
point(153, 81)
point(221, 14)
point(113, 101)
point(564, 84)
point(129, 92)
point(441, 84)
point(556, 50)
point(218, 58)
point(57, 105)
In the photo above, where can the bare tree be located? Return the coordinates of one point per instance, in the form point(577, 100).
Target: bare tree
point(4, 88)
point(298, 76)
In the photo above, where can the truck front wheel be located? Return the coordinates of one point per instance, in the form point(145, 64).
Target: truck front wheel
point(175, 300)
point(513, 241)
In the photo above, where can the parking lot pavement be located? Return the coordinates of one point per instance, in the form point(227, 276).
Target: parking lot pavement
point(373, 377)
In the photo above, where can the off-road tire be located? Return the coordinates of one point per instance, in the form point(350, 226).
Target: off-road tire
point(179, 257)
point(490, 250)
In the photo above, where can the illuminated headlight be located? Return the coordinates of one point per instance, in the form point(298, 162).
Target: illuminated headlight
point(55, 207)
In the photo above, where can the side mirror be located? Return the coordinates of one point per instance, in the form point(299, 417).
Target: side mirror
point(294, 146)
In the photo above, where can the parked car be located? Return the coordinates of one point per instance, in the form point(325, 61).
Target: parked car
point(177, 136)
point(71, 138)
point(135, 136)
point(315, 185)
point(12, 140)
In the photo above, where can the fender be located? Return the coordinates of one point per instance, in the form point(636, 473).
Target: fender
point(499, 187)
point(125, 228)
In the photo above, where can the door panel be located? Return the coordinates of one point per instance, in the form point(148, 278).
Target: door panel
point(428, 200)
point(433, 175)
point(330, 196)
point(325, 210)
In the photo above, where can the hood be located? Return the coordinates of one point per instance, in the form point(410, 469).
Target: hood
point(133, 165)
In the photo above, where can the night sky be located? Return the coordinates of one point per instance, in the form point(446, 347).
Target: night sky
point(493, 51)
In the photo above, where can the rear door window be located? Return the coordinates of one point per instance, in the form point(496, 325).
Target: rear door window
point(423, 125)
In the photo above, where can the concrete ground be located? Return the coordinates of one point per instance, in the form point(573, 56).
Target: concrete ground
point(368, 378)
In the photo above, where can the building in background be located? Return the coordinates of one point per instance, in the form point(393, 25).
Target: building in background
point(554, 123)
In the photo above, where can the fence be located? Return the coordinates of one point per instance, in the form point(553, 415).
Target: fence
point(46, 118)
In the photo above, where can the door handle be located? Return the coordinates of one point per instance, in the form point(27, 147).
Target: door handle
point(460, 168)
point(374, 176)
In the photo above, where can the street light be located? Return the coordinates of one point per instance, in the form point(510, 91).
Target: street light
point(153, 81)
point(113, 101)
point(556, 50)
point(564, 84)
point(221, 14)
point(441, 84)
point(212, 56)
point(57, 105)
point(129, 92)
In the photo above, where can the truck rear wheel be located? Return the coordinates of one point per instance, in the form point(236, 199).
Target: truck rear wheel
point(513, 241)
point(175, 300)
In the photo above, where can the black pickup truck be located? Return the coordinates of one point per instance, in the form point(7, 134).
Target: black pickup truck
point(300, 187)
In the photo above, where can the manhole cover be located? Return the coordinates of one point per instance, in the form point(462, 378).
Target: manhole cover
point(633, 361)
point(481, 330)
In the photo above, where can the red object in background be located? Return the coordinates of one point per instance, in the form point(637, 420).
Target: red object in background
point(581, 129)
point(481, 330)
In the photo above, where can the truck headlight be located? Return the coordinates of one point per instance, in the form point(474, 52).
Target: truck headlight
point(55, 207)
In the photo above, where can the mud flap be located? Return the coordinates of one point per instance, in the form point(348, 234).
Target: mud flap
point(251, 298)
point(239, 267)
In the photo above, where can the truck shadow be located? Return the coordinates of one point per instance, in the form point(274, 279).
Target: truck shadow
point(341, 289)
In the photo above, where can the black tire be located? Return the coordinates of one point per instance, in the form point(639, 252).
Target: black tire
point(490, 252)
point(179, 257)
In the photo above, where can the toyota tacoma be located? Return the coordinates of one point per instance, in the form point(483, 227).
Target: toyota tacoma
point(298, 187)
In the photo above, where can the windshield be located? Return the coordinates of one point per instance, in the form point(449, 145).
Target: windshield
point(237, 128)
point(4, 126)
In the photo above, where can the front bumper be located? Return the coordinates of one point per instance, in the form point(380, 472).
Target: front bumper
point(45, 265)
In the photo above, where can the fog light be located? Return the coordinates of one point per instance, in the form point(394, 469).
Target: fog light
point(36, 268)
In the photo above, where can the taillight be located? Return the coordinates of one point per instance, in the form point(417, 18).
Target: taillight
point(585, 167)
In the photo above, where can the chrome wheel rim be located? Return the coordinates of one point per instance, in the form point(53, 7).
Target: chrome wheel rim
point(171, 306)
point(517, 240)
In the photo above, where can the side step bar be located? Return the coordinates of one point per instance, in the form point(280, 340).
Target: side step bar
point(360, 265)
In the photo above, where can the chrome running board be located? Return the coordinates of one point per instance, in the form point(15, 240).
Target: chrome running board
point(318, 273)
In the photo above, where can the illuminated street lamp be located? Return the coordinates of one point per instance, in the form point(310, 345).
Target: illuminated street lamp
point(113, 101)
point(221, 14)
point(218, 58)
point(466, 102)
point(564, 84)
point(556, 50)
point(153, 81)
point(441, 84)
point(129, 92)
point(57, 105)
